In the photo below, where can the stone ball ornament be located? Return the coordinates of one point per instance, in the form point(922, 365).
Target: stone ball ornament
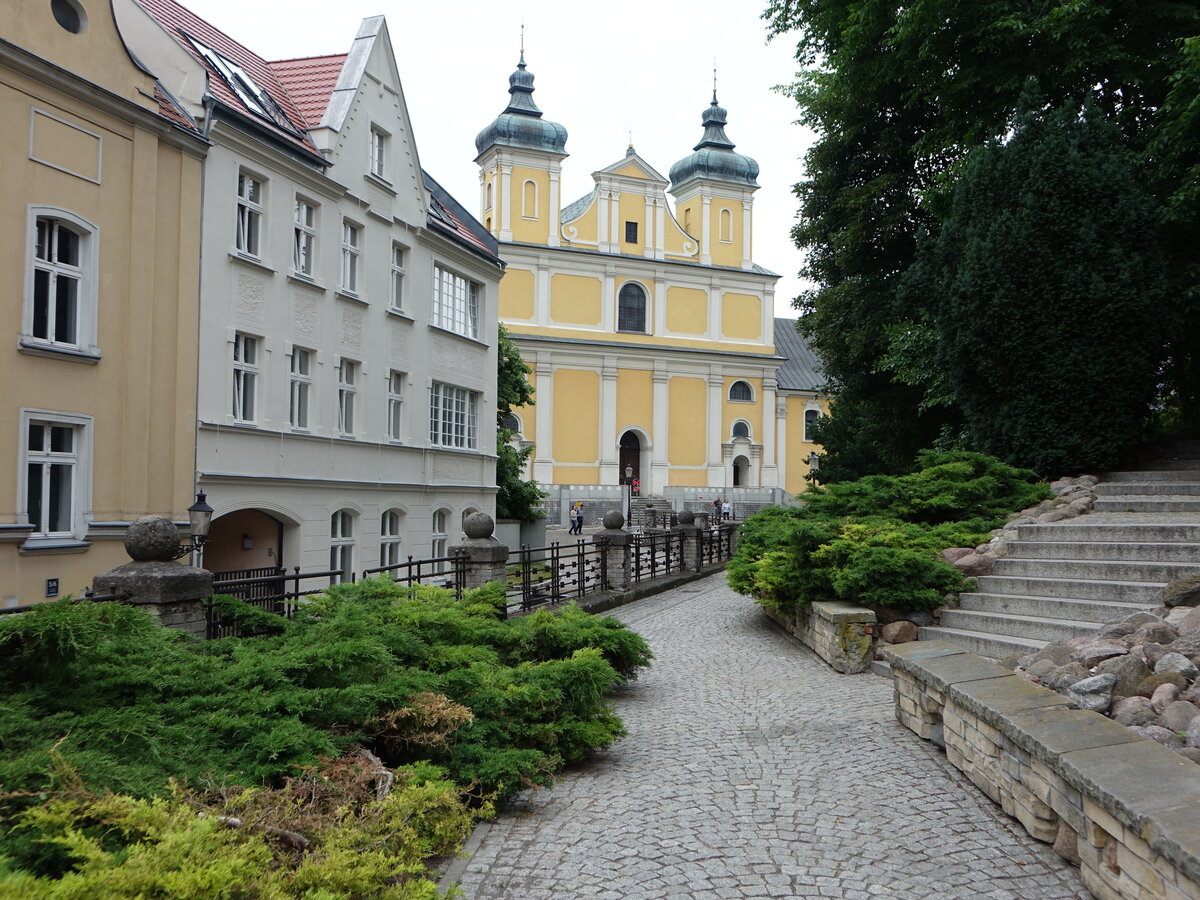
point(478, 526)
point(613, 520)
point(152, 538)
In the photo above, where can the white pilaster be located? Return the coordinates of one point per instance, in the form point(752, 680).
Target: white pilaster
point(716, 387)
point(602, 222)
point(747, 245)
point(609, 439)
point(554, 240)
point(660, 458)
point(616, 230)
point(543, 460)
point(770, 475)
point(706, 231)
point(649, 240)
point(714, 310)
point(505, 201)
point(660, 306)
point(541, 293)
point(660, 229)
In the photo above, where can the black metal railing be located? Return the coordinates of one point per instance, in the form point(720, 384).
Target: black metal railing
point(661, 518)
point(655, 554)
point(716, 544)
point(441, 571)
point(544, 576)
point(275, 591)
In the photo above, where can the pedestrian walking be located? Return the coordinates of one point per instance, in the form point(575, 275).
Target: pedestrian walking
point(726, 510)
point(579, 519)
point(716, 509)
point(573, 515)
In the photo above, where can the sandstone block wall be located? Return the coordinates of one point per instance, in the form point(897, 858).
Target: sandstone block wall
point(842, 634)
point(1119, 806)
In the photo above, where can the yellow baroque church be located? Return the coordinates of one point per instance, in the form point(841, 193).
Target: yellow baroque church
point(648, 324)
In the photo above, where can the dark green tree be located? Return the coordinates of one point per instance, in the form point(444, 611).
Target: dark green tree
point(517, 498)
point(1048, 290)
point(898, 94)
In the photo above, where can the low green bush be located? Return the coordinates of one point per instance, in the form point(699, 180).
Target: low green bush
point(414, 675)
point(877, 541)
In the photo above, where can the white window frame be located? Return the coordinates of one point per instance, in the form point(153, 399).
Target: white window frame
point(733, 435)
point(86, 273)
point(304, 243)
point(396, 288)
point(395, 405)
point(81, 479)
point(391, 523)
point(455, 302)
point(248, 231)
point(247, 350)
point(438, 537)
point(351, 256)
point(377, 146)
point(341, 545)
point(453, 417)
point(348, 373)
point(300, 365)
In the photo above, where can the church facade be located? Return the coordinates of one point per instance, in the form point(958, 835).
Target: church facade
point(647, 323)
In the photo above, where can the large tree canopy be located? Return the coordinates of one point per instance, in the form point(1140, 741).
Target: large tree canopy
point(899, 93)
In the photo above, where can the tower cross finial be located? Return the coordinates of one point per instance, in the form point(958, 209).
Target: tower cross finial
point(714, 79)
point(522, 37)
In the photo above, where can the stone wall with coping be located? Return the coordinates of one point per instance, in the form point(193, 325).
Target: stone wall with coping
point(1119, 806)
point(842, 634)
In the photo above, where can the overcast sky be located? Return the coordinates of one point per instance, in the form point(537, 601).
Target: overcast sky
point(601, 71)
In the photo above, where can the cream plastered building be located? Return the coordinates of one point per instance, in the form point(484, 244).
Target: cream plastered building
point(100, 247)
point(648, 324)
point(348, 309)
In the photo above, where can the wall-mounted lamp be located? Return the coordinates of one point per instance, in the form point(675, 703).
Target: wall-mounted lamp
point(200, 518)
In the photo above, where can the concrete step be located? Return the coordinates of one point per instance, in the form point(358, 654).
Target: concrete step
point(992, 646)
point(1006, 625)
point(1097, 611)
point(1110, 489)
point(1105, 550)
point(1148, 503)
point(1111, 532)
point(1073, 589)
point(1168, 463)
point(1147, 475)
point(1096, 569)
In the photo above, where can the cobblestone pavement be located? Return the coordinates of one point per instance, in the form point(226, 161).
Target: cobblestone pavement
point(752, 770)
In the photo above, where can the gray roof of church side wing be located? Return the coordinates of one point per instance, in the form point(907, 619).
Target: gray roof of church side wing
point(802, 371)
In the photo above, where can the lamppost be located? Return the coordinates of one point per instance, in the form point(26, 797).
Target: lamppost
point(814, 464)
point(629, 496)
point(200, 518)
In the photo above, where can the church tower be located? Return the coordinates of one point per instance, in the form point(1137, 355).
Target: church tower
point(520, 158)
point(714, 194)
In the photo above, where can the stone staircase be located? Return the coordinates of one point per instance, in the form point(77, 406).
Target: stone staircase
point(1066, 579)
point(641, 507)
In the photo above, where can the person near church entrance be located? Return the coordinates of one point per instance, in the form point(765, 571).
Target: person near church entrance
point(726, 510)
point(573, 515)
point(716, 509)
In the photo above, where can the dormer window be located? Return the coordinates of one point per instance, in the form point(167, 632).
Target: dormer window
point(378, 152)
point(243, 86)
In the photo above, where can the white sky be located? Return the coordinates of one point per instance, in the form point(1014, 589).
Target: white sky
point(601, 71)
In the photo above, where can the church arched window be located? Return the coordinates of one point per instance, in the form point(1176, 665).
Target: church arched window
point(529, 200)
point(741, 429)
point(741, 392)
point(726, 226)
point(631, 308)
point(487, 196)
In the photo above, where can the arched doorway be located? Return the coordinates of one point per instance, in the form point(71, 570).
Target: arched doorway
point(631, 457)
point(741, 471)
point(244, 539)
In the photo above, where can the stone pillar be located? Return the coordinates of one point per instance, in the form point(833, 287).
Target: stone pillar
point(176, 594)
point(693, 556)
point(620, 572)
point(487, 558)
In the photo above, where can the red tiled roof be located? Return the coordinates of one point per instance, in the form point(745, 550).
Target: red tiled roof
point(170, 110)
point(310, 82)
point(182, 23)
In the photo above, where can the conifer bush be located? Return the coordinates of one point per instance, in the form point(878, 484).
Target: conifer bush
point(877, 541)
point(149, 716)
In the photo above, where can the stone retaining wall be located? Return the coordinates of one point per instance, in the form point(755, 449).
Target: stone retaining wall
point(842, 634)
point(1121, 807)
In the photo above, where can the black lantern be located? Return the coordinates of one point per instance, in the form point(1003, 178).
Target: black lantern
point(199, 518)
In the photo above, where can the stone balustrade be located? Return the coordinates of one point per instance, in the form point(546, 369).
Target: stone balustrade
point(1121, 807)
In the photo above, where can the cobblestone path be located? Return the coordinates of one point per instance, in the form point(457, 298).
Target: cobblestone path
point(751, 770)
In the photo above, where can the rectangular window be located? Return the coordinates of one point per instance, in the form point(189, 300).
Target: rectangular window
point(378, 152)
point(631, 232)
point(249, 214)
point(452, 416)
point(396, 296)
point(51, 460)
point(245, 376)
point(341, 546)
point(305, 238)
point(395, 398)
point(57, 280)
point(301, 387)
point(347, 372)
point(389, 538)
point(455, 303)
point(350, 241)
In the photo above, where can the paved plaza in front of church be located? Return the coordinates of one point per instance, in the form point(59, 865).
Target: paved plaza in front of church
point(752, 770)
